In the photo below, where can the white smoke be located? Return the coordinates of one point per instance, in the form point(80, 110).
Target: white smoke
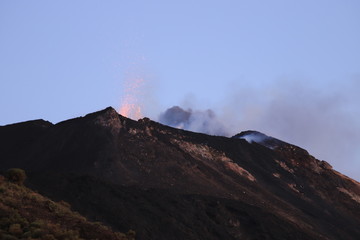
point(250, 138)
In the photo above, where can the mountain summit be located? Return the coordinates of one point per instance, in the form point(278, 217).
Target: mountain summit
point(260, 138)
point(167, 183)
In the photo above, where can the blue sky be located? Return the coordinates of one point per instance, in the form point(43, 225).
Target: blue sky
point(288, 68)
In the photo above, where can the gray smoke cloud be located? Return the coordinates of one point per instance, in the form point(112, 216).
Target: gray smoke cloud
point(323, 120)
point(196, 121)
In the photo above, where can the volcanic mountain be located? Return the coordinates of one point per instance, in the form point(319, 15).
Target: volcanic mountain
point(167, 183)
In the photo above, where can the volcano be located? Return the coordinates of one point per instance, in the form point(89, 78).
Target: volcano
point(167, 183)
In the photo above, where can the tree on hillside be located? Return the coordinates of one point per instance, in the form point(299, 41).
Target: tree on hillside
point(16, 175)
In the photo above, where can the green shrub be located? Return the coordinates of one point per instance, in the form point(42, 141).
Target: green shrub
point(13, 218)
point(37, 224)
point(131, 234)
point(8, 237)
point(65, 204)
point(27, 235)
point(49, 237)
point(120, 235)
point(50, 205)
point(2, 178)
point(15, 229)
point(37, 233)
point(16, 175)
point(5, 222)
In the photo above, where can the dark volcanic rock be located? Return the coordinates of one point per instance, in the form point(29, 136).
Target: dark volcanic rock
point(260, 138)
point(168, 183)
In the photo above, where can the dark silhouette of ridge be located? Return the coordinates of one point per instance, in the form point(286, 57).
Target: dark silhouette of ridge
point(260, 138)
point(168, 183)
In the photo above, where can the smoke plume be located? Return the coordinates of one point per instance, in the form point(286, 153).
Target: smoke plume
point(196, 121)
point(325, 121)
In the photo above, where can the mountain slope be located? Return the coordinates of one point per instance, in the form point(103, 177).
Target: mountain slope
point(25, 214)
point(198, 186)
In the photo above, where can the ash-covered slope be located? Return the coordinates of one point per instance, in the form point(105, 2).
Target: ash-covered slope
point(173, 184)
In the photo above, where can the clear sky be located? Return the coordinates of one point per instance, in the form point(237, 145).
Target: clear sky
point(288, 68)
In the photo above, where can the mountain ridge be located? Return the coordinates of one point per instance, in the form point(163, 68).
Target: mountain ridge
point(135, 158)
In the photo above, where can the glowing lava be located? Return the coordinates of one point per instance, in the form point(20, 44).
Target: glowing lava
point(130, 104)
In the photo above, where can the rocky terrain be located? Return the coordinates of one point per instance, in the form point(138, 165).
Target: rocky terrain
point(167, 183)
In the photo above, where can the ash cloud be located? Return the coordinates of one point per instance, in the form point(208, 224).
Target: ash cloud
point(196, 121)
point(324, 120)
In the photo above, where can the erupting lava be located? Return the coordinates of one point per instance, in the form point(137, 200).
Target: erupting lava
point(130, 105)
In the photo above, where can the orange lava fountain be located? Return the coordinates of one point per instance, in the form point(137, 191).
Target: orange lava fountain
point(130, 106)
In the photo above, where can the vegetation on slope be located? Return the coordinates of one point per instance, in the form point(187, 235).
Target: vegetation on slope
point(25, 214)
